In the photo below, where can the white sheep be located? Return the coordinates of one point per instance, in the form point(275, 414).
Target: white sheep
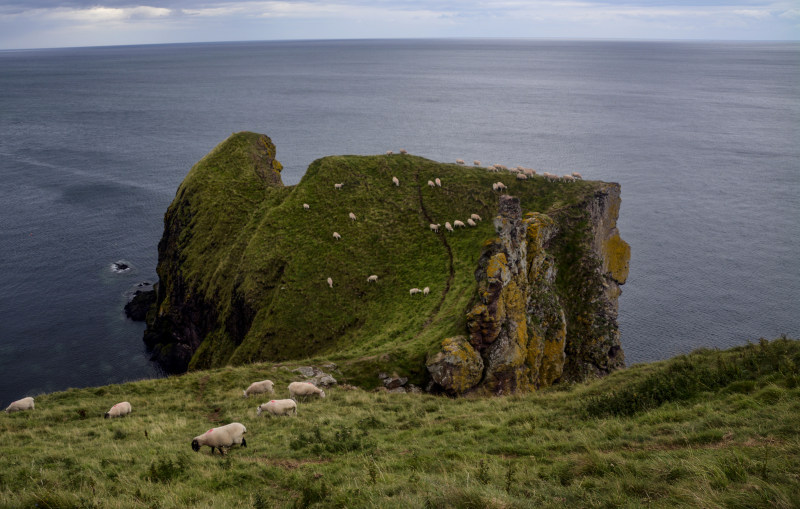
point(458, 224)
point(278, 407)
point(476, 217)
point(396, 181)
point(460, 161)
point(352, 216)
point(224, 436)
point(476, 163)
point(403, 151)
point(426, 290)
point(568, 178)
point(494, 186)
point(431, 184)
point(119, 410)
point(471, 222)
point(522, 176)
point(389, 152)
point(304, 389)
point(500, 186)
point(577, 175)
point(260, 387)
point(337, 236)
point(434, 227)
point(438, 182)
point(414, 291)
point(338, 186)
point(330, 282)
point(448, 226)
point(20, 405)
point(372, 279)
point(306, 206)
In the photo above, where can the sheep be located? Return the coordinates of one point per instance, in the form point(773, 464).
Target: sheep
point(372, 279)
point(414, 291)
point(500, 167)
point(438, 182)
point(577, 175)
point(500, 186)
point(396, 181)
point(494, 186)
point(568, 178)
point(337, 236)
point(476, 217)
point(338, 186)
point(476, 163)
point(119, 410)
point(448, 226)
point(431, 184)
point(352, 216)
point(471, 222)
point(330, 282)
point(304, 389)
point(306, 206)
point(278, 407)
point(522, 176)
point(20, 405)
point(529, 172)
point(434, 227)
point(458, 224)
point(460, 161)
point(260, 387)
point(389, 152)
point(224, 436)
point(403, 151)
point(426, 290)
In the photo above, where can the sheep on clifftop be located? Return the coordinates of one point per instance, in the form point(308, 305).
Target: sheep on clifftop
point(20, 405)
point(119, 410)
point(224, 436)
point(259, 388)
point(278, 407)
point(304, 389)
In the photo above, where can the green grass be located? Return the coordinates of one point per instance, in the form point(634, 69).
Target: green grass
point(730, 443)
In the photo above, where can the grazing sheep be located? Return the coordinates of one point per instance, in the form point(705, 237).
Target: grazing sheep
point(448, 226)
point(260, 387)
point(20, 405)
point(434, 227)
point(460, 161)
point(426, 290)
point(414, 291)
point(389, 152)
point(458, 224)
point(431, 184)
point(330, 282)
point(372, 279)
point(476, 217)
point(224, 436)
point(304, 389)
point(501, 167)
point(577, 175)
point(337, 236)
point(494, 186)
point(403, 151)
point(119, 410)
point(438, 182)
point(278, 407)
point(471, 222)
point(476, 163)
point(396, 181)
point(568, 178)
point(522, 176)
point(306, 206)
point(338, 186)
point(530, 172)
point(501, 186)
point(352, 216)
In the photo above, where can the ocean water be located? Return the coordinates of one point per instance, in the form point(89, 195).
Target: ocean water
point(703, 137)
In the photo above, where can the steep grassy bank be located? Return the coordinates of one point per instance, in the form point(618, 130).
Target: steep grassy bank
point(711, 429)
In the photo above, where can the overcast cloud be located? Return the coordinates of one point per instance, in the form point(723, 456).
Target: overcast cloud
point(52, 23)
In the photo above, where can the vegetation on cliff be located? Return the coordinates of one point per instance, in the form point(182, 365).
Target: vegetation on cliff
point(709, 429)
point(243, 267)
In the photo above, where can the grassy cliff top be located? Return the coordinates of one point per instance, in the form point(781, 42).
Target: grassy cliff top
point(244, 242)
point(711, 429)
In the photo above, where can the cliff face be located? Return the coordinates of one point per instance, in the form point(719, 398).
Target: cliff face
point(515, 304)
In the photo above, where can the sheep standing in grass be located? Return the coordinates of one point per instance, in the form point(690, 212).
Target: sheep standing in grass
point(306, 206)
point(389, 152)
point(222, 437)
point(577, 175)
point(434, 227)
point(426, 290)
point(431, 184)
point(522, 176)
point(471, 222)
point(304, 389)
point(403, 151)
point(352, 216)
point(500, 186)
point(260, 387)
point(372, 279)
point(119, 410)
point(458, 224)
point(568, 178)
point(414, 291)
point(278, 407)
point(396, 181)
point(438, 182)
point(460, 161)
point(337, 236)
point(338, 186)
point(330, 282)
point(448, 226)
point(20, 405)
point(476, 217)
point(476, 163)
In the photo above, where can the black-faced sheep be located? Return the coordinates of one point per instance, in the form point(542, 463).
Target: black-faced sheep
point(223, 437)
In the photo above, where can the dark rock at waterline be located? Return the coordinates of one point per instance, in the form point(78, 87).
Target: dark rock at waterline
point(140, 304)
point(120, 266)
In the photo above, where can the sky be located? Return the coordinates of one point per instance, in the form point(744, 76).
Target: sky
point(65, 23)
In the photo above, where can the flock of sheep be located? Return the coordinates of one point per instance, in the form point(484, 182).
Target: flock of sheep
point(223, 437)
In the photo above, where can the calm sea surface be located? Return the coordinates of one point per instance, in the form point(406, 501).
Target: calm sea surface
point(703, 137)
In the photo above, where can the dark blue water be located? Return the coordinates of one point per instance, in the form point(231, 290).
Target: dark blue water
point(703, 137)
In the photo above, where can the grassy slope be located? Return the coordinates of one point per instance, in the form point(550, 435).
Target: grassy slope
point(734, 446)
point(275, 256)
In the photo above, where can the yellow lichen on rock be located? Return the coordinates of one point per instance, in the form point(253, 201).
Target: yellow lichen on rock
point(616, 257)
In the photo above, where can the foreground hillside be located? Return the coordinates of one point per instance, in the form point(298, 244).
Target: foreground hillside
point(711, 429)
point(526, 295)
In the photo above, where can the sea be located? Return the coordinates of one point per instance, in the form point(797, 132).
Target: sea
point(703, 137)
